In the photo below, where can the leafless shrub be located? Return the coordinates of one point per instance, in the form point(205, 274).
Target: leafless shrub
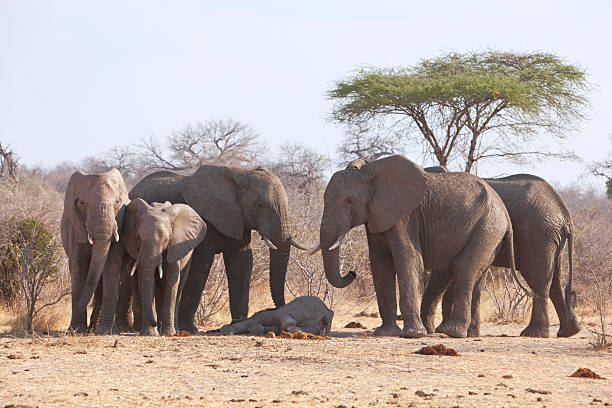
point(8, 164)
point(215, 294)
point(510, 300)
point(600, 340)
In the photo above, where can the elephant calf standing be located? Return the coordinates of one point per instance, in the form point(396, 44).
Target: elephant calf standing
point(305, 313)
point(160, 237)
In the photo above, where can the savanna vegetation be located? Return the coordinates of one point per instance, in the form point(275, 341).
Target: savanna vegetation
point(456, 109)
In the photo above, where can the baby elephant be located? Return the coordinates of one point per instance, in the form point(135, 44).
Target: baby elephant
point(159, 239)
point(306, 313)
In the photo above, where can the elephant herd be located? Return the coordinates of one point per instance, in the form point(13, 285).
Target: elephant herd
point(154, 247)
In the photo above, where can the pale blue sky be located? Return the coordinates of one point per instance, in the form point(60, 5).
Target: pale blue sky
point(78, 77)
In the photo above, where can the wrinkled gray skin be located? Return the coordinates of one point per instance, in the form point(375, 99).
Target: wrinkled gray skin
point(414, 220)
point(160, 235)
point(232, 202)
point(542, 224)
point(94, 208)
point(306, 313)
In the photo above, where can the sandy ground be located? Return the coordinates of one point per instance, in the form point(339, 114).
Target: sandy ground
point(352, 369)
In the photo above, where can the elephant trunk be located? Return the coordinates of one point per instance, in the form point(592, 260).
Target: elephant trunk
point(331, 264)
point(279, 258)
point(99, 253)
point(146, 285)
point(101, 228)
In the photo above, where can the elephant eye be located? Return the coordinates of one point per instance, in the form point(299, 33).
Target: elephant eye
point(82, 203)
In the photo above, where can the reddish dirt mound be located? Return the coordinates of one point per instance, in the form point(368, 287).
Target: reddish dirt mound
point(298, 334)
point(182, 333)
point(586, 373)
point(437, 350)
point(355, 325)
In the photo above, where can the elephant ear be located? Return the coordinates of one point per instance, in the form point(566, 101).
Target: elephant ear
point(71, 215)
point(397, 187)
point(213, 192)
point(188, 230)
point(129, 236)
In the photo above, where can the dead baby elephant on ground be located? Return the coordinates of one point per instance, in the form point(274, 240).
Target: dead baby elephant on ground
point(306, 313)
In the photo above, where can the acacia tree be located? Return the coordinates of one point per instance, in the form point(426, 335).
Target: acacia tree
point(603, 169)
point(469, 106)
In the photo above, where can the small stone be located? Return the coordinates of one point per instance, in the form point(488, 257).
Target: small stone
point(481, 375)
point(507, 376)
point(395, 396)
point(472, 393)
point(534, 391)
point(13, 357)
point(81, 394)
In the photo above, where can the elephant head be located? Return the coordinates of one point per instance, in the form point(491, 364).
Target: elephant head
point(150, 231)
point(236, 201)
point(94, 208)
point(376, 194)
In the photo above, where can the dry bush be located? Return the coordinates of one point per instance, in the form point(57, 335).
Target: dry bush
point(510, 301)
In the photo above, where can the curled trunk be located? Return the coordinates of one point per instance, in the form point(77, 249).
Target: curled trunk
point(331, 264)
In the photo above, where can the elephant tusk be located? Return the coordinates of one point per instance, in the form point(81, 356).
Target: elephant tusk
point(298, 246)
point(116, 236)
point(134, 268)
point(337, 243)
point(161, 271)
point(89, 239)
point(315, 250)
point(268, 242)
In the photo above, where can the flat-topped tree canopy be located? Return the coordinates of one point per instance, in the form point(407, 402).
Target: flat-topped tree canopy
point(454, 100)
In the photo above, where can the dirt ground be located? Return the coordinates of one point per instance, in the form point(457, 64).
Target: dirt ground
point(351, 369)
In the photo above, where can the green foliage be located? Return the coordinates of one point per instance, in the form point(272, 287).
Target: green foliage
point(457, 96)
point(28, 237)
point(609, 188)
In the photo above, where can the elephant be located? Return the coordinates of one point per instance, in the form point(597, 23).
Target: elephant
point(306, 313)
point(542, 224)
point(232, 202)
point(160, 237)
point(94, 210)
point(453, 223)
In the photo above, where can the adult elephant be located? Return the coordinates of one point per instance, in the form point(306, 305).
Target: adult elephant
point(232, 202)
point(94, 207)
point(160, 238)
point(542, 225)
point(453, 223)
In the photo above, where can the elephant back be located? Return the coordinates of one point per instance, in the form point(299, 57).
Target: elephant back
point(160, 186)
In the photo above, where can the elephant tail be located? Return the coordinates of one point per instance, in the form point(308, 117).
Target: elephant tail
point(510, 242)
point(570, 293)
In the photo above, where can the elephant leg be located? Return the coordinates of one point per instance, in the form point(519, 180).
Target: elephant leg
point(568, 324)
point(538, 275)
point(447, 302)
point(124, 317)
point(409, 269)
point(185, 267)
point(238, 266)
point(94, 318)
point(136, 303)
point(438, 282)
point(147, 293)
point(383, 274)
point(168, 301)
point(159, 295)
point(474, 328)
point(110, 277)
point(467, 269)
point(201, 261)
point(78, 266)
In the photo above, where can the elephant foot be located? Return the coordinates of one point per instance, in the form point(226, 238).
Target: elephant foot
point(124, 326)
point(473, 330)
point(107, 330)
point(413, 330)
point(149, 331)
point(168, 332)
point(452, 329)
point(429, 324)
point(568, 330)
point(388, 330)
point(189, 327)
point(531, 331)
